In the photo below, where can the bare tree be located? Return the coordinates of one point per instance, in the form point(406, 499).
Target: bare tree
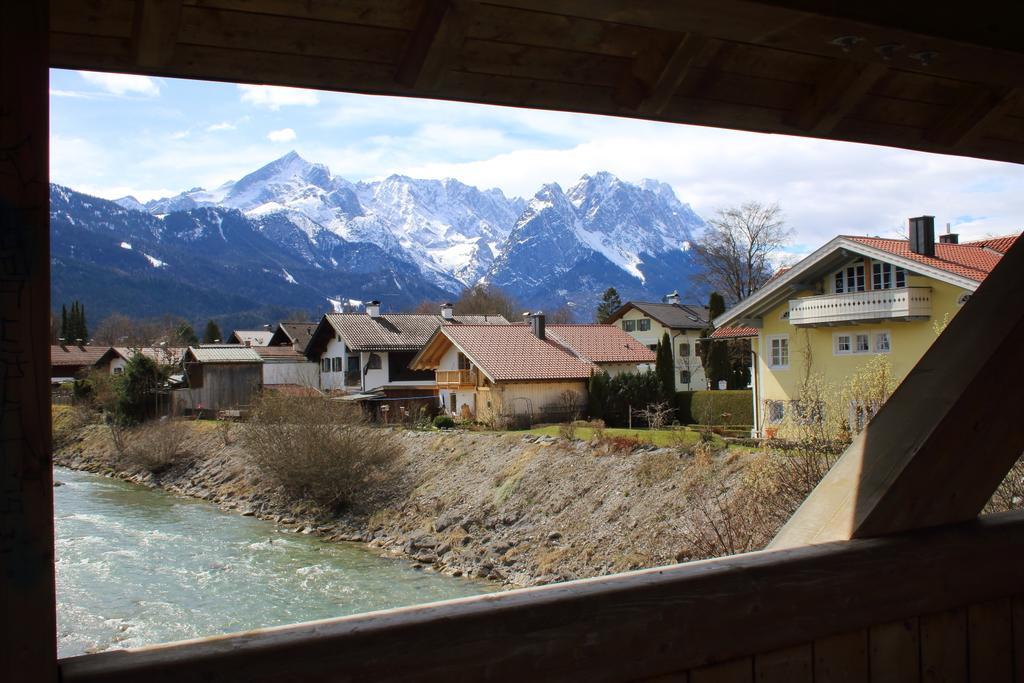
point(483, 299)
point(736, 250)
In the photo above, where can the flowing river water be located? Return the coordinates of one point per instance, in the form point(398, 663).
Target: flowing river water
point(137, 566)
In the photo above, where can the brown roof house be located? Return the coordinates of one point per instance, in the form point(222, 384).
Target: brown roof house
point(68, 361)
point(284, 366)
point(365, 352)
point(295, 334)
point(251, 337)
point(535, 370)
point(117, 357)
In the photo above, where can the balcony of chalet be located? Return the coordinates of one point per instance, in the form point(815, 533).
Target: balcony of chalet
point(903, 304)
point(455, 379)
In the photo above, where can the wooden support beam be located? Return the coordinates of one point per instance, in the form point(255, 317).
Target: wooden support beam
point(835, 96)
point(629, 627)
point(155, 31)
point(672, 75)
point(973, 116)
point(943, 442)
point(439, 35)
point(28, 641)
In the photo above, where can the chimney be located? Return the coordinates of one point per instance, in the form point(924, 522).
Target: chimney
point(949, 237)
point(672, 298)
point(922, 235)
point(447, 312)
point(373, 309)
point(536, 321)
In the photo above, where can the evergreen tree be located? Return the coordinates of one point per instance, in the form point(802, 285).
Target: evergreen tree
point(717, 364)
point(184, 335)
point(597, 396)
point(212, 333)
point(664, 366)
point(64, 322)
point(83, 327)
point(610, 302)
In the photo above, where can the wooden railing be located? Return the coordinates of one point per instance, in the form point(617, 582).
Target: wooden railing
point(944, 601)
point(880, 304)
point(456, 378)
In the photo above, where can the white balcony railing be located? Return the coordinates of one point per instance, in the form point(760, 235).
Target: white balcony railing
point(907, 303)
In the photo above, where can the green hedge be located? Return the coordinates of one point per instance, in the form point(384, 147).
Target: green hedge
point(681, 403)
point(708, 407)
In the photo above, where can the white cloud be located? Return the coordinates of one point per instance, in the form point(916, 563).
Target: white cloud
point(223, 125)
point(180, 134)
point(274, 97)
point(122, 84)
point(283, 135)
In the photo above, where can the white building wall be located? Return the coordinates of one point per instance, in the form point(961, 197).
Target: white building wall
point(117, 365)
point(372, 379)
point(331, 379)
point(303, 374)
point(651, 337)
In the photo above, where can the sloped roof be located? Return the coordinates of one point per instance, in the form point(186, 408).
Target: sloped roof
point(734, 332)
point(675, 316)
point(601, 343)
point(162, 355)
point(512, 353)
point(279, 354)
point(296, 332)
point(397, 331)
point(254, 337)
point(223, 353)
point(70, 354)
point(972, 260)
point(962, 265)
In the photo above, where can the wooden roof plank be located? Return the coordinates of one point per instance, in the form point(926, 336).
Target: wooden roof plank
point(672, 75)
point(438, 36)
point(393, 14)
point(155, 31)
point(973, 115)
point(110, 18)
point(841, 89)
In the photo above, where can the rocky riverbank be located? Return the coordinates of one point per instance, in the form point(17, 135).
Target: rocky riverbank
point(516, 509)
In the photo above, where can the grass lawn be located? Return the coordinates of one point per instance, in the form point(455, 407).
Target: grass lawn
point(659, 437)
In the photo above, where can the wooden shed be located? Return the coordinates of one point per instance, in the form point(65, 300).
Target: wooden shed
point(218, 377)
point(886, 573)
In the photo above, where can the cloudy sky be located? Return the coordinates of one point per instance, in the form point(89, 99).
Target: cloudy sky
point(114, 135)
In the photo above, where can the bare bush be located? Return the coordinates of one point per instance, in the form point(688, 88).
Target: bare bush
point(155, 446)
point(319, 449)
point(655, 415)
point(224, 430)
point(567, 430)
point(569, 404)
point(743, 514)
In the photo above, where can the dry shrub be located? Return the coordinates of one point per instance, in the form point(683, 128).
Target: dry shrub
point(154, 446)
point(622, 443)
point(318, 449)
point(567, 430)
point(738, 514)
point(1010, 494)
point(68, 422)
point(655, 468)
point(224, 429)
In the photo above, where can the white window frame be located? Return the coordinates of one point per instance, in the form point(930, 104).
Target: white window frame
point(867, 342)
point(836, 350)
point(855, 273)
point(629, 325)
point(643, 325)
point(876, 336)
point(769, 342)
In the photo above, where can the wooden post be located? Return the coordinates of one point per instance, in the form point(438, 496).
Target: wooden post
point(27, 606)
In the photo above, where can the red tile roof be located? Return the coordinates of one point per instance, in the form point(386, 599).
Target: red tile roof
point(734, 332)
point(601, 343)
point(510, 353)
point(279, 353)
point(974, 260)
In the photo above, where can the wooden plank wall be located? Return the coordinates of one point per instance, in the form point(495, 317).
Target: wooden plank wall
point(980, 643)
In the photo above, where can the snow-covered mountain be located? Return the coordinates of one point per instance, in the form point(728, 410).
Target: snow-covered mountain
point(430, 236)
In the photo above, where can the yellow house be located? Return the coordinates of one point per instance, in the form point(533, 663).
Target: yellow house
point(852, 299)
point(648, 321)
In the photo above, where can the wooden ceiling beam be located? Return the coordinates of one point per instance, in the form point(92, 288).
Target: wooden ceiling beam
point(815, 31)
point(672, 74)
point(943, 442)
point(439, 35)
point(155, 31)
point(973, 116)
point(835, 96)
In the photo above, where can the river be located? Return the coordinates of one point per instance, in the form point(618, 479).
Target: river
point(137, 566)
